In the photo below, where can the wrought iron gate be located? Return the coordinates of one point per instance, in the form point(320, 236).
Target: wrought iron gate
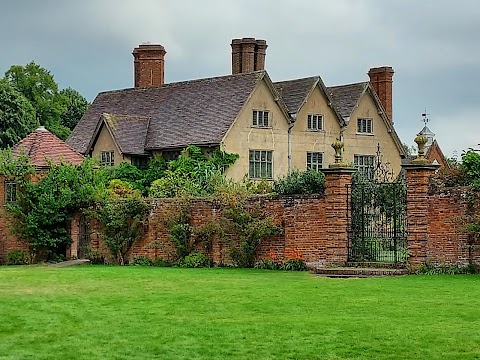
point(377, 227)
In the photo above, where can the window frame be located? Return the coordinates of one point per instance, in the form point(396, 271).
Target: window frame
point(107, 158)
point(264, 167)
point(315, 165)
point(259, 121)
point(364, 125)
point(11, 198)
point(318, 119)
point(366, 169)
point(140, 162)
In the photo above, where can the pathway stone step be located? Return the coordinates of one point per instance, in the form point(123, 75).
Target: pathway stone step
point(381, 265)
point(345, 272)
point(71, 263)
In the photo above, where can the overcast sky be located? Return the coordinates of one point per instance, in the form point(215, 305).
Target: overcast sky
point(433, 46)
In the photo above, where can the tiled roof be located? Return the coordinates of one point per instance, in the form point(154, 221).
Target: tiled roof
point(345, 97)
point(295, 92)
point(197, 112)
point(129, 132)
point(42, 147)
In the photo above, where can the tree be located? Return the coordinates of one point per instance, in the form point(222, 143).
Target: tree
point(44, 208)
point(76, 107)
point(409, 150)
point(123, 213)
point(39, 87)
point(17, 116)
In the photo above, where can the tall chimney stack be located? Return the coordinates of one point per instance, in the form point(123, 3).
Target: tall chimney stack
point(381, 79)
point(149, 65)
point(248, 54)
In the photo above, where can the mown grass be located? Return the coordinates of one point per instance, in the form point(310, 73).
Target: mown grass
point(99, 312)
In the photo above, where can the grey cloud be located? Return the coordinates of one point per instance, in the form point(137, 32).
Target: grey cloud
point(432, 46)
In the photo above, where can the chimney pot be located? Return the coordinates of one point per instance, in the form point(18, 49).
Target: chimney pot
point(248, 54)
point(149, 65)
point(381, 79)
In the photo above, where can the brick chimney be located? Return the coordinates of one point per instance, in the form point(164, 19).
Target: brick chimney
point(381, 79)
point(248, 54)
point(148, 65)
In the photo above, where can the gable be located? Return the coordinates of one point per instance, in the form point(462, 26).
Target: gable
point(128, 132)
point(434, 152)
point(104, 141)
point(382, 135)
point(243, 136)
point(317, 103)
point(296, 93)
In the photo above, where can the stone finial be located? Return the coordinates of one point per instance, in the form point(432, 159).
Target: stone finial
point(421, 141)
point(338, 146)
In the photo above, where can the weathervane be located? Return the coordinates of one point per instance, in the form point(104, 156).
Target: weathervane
point(425, 117)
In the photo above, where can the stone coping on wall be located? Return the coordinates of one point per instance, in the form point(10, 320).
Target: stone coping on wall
point(340, 169)
point(258, 197)
point(420, 167)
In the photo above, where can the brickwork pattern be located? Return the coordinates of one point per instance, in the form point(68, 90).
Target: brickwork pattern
point(449, 242)
point(381, 80)
point(417, 181)
point(8, 241)
point(314, 225)
point(149, 66)
point(248, 54)
point(336, 216)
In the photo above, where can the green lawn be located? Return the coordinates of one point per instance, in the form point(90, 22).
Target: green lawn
point(97, 312)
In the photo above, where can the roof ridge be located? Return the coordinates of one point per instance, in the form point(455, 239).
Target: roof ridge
point(298, 79)
point(144, 117)
point(352, 84)
point(185, 82)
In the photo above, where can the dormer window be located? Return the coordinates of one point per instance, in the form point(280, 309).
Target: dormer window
point(260, 118)
point(314, 122)
point(364, 126)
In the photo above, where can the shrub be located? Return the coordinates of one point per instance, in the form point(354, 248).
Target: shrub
point(142, 261)
point(449, 269)
point(95, 256)
point(300, 182)
point(294, 264)
point(471, 166)
point(122, 214)
point(44, 208)
point(294, 261)
point(195, 260)
point(18, 257)
point(161, 263)
point(179, 235)
point(267, 264)
point(56, 258)
point(193, 173)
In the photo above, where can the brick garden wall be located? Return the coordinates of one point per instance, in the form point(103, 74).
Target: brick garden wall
point(436, 218)
point(313, 225)
point(448, 242)
point(8, 241)
point(302, 219)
